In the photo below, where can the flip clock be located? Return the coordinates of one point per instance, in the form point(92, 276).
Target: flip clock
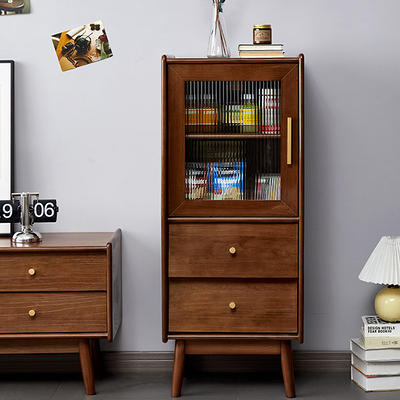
point(26, 208)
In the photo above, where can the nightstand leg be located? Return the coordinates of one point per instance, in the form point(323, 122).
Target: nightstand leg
point(179, 364)
point(86, 366)
point(287, 368)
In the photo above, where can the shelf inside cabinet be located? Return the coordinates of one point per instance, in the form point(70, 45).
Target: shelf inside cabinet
point(230, 136)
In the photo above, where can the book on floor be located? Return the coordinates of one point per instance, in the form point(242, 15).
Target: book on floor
point(376, 367)
point(374, 355)
point(372, 383)
point(373, 326)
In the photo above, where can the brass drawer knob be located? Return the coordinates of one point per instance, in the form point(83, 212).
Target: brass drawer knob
point(232, 250)
point(232, 305)
point(31, 313)
point(32, 271)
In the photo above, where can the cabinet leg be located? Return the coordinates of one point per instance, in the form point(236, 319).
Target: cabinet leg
point(179, 364)
point(86, 366)
point(96, 356)
point(287, 368)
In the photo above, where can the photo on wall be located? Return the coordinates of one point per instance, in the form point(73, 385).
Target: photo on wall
point(81, 46)
point(13, 7)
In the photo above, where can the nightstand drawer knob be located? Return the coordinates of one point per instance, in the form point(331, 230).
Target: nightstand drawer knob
point(232, 250)
point(232, 305)
point(31, 313)
point(32, 271)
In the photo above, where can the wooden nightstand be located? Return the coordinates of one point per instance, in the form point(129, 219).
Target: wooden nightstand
point(61, 296)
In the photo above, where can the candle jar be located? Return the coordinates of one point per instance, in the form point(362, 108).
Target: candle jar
point(262, 34)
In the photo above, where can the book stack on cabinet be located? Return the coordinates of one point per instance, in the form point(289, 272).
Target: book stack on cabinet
point(375, 356)
point(260, 50)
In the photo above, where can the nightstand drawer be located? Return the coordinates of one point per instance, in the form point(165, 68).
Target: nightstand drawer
point(55, 271)
point(52, 312)
point(242, 305)
point(233, 250)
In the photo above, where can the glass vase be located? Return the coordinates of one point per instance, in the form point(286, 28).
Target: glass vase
point(217, 45)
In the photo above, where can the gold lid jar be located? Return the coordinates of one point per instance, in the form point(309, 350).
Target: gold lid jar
point(262, 34)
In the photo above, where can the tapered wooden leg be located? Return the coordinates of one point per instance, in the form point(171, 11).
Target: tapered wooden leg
point(86, 366)
point(179, 364)
point(96, 356)
point(287, 368)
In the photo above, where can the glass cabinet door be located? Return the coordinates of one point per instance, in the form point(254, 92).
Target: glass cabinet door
point(233, 143)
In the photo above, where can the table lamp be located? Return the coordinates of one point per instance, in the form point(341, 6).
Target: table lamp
point(383, 267)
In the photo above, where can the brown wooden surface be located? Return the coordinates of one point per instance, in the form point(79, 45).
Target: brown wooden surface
point(114, 284)
point(290, 108)
point(69, 241)
point(177, 75)
point(236, 336)
point(262, 251)
point(179, 366)
point(38, 346)
point(232, 346)
point(301, 196)
point(287, 368)
point(164, 197)
point(233, 220)
point(202, 305)
point(55, 312)
point(86, 366)
point(56, 271)
point(231, 60)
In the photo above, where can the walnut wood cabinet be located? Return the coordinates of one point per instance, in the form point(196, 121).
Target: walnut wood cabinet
point(61, 296)
point(232, 208)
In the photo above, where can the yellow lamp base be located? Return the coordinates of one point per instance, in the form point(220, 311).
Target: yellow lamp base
point(387, 304)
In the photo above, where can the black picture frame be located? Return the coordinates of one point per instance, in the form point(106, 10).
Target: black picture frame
point(7, 109)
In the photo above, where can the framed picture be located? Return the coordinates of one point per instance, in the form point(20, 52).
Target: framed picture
point(6, 135)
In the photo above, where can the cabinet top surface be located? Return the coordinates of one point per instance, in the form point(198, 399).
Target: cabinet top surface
point(232, 60)
point(70, 240)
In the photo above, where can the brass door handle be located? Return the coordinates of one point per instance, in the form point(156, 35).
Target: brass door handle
point(289, 141)
point(232, 250)
point(32, 271)
point(31, 313)
point(232, 305)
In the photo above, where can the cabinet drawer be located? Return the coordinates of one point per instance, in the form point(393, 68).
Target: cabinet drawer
point(260, 250)
point(56, 271)
point(54, 312)
point(262, 306)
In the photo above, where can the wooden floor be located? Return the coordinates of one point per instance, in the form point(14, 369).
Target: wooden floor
point(155, 385)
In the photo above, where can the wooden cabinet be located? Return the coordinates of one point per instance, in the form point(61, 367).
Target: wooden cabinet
point(61, 295)
point(232, 208)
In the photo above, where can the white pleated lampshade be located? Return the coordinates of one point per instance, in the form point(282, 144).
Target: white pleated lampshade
point(383, 265)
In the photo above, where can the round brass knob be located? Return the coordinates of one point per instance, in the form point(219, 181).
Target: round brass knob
point(32, 271)
point(232, 250)
point(232, 305)
point(31, 313)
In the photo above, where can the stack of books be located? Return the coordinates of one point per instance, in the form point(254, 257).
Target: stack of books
point(375, 357)
point(261, 50)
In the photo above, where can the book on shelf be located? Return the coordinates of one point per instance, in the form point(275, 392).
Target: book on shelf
point(260, 54)
point(372, 383)
point(373, 355)
point(260, 47)
point(373, 326)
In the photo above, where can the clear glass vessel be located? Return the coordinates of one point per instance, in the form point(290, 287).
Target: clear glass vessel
point(217, 44)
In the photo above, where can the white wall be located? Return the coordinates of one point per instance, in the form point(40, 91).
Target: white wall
point(91, 137)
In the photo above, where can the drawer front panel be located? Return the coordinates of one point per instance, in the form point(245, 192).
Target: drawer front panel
point(53, 312)
point(259, 250)
point(233, 306)
point(62, 271)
